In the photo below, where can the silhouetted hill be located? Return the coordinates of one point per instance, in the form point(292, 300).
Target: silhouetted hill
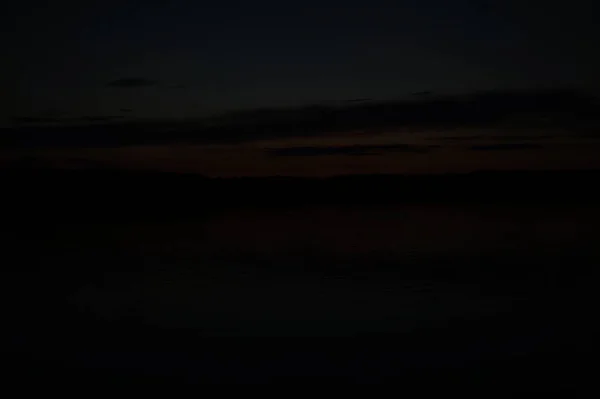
point(101, 194)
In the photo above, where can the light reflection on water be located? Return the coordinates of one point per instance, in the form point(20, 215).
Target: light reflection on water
point(354, 231)
point(236, 302)
point(357, 234)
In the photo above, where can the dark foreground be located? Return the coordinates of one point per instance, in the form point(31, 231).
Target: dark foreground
point(174, 294)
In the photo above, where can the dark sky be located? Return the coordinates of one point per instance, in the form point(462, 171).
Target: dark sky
point(192, 58)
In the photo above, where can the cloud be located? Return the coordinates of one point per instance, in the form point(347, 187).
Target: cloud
point(424, 116)
point(359, 100)
point(506, 147)
point(455, 138)
point(100, 118)
point(353, 150)
point(131, 83)
point(522, 137)
point(422, 93)
point(32, 119)
point(492, 137)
